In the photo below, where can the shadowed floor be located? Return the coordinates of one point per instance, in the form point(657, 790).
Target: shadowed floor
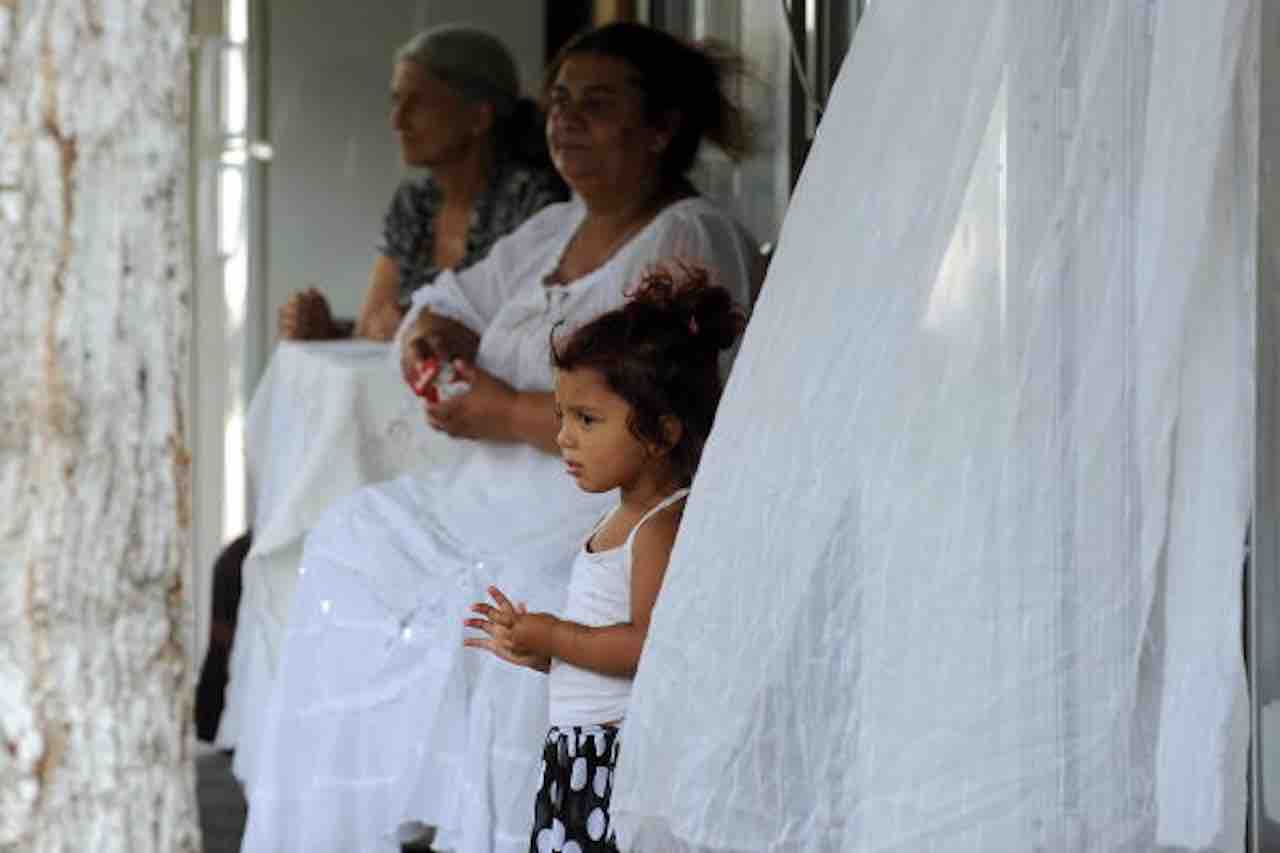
point(222, 806)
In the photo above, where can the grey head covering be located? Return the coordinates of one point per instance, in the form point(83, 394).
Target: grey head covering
point(471, 61)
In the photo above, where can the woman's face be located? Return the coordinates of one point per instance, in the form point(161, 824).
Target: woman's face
point(433, 123)
point(597, 128)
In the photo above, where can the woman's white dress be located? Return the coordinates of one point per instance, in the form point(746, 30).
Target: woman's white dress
point(379, 715)
point(327, 418)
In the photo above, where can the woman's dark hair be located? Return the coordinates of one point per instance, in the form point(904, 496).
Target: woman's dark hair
point(520, 135)
point(660, 352)
point(675, 76)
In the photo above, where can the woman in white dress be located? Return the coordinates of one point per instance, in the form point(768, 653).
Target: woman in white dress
point(377, 717)
point(457, 115)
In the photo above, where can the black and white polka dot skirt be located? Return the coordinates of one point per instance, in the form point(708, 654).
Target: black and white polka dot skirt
point(571, 813)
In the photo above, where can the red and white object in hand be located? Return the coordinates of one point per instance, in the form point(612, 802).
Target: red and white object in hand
point(437, 381)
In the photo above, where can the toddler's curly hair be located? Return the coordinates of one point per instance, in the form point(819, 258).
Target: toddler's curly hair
point(660, 352)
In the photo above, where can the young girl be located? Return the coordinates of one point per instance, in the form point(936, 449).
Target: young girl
point(636, 393)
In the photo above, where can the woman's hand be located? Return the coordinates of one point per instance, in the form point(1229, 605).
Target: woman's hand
point(305, 316)
point(483, 412)
point(435, 336)
point(498, 622)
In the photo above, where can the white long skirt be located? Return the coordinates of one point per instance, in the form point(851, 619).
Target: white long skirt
point(379, 715)
point(327, 418)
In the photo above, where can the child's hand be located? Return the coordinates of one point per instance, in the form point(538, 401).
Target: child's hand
point(531, 633)
point(498, 623)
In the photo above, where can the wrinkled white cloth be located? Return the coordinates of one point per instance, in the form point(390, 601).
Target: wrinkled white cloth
point(379, 716)
point(326, 418)
point(961, 568)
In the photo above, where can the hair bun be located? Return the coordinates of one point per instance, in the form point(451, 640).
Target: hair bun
point(713, 317)
point(705, 312)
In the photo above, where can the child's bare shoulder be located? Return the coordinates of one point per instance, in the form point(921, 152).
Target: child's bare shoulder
point(656, 536)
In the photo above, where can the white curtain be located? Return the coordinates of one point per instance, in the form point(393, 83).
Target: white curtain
point(962, 566)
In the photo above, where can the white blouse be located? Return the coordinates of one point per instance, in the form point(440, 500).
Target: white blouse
point(504, 299)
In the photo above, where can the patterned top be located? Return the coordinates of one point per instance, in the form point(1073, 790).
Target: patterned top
point(516, 192)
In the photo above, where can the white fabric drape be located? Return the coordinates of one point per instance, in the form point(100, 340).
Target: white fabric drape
point(961, 569)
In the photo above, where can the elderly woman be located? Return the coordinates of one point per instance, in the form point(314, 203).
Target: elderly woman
point(378, 717)
point(457, 112)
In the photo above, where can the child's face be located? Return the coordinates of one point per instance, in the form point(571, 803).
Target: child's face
point(598, 447)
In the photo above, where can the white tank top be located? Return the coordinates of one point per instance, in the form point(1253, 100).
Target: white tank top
point(599, 595)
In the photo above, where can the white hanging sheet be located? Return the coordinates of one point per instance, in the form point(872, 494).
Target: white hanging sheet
point(961, 570)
